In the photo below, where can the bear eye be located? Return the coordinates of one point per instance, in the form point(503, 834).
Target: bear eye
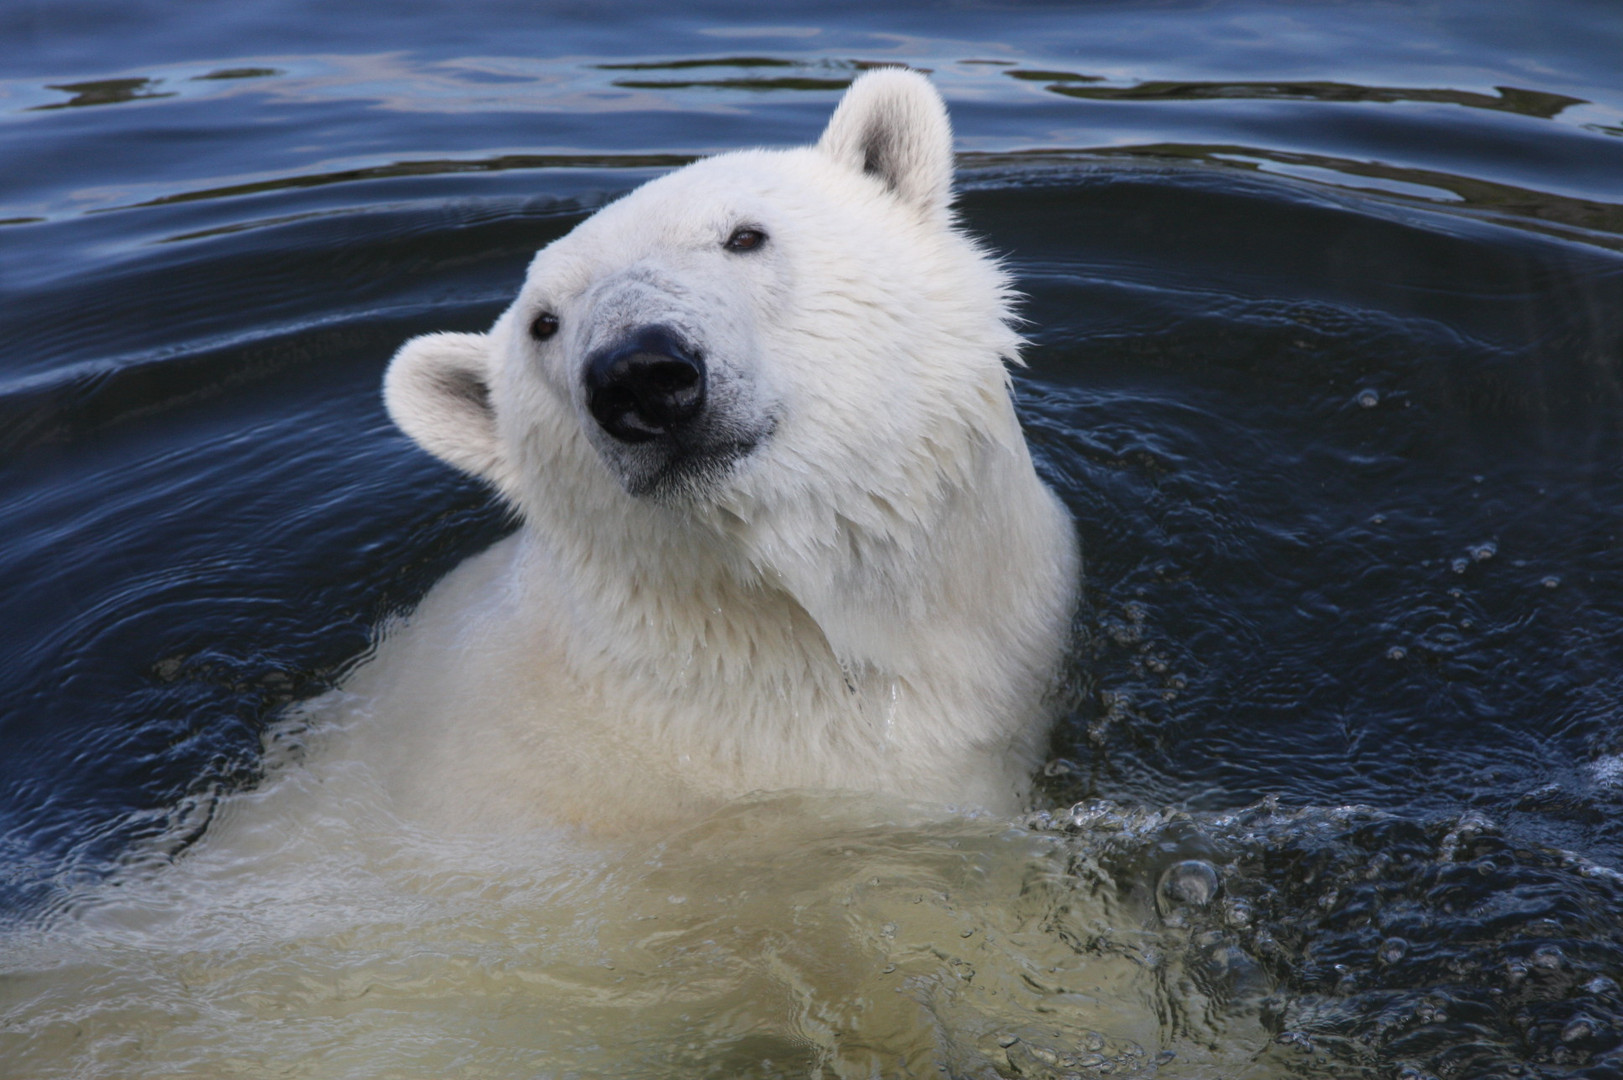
point(544, 326)
point(745, 239)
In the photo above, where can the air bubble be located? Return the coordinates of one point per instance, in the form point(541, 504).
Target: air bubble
point(1578, 1030)
point(1484, 551)
point(1396, 652)
point(1459, 565)
point(1191, 883)
point(1392, 950)
point(1369, 397)
point(1550, 581)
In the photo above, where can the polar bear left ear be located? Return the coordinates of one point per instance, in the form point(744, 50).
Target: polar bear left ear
point(437, 391)
point(892, 124)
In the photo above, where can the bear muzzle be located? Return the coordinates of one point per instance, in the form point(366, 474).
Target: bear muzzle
point(647, 384)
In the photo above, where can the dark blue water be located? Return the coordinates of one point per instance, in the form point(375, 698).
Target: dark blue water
point(1326, 311)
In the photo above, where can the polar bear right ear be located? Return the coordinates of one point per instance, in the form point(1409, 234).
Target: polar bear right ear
point(437, 391)
point(892, 124)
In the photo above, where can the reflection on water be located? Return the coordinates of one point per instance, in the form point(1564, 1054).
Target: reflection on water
point(106, 92)
point(1508, 98)
point(1327, 358)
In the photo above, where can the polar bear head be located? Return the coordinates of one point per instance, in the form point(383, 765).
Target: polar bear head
point(795, 352)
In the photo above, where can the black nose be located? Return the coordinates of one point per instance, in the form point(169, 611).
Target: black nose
point(645, 385)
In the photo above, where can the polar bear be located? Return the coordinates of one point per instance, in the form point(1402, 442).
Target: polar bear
point(779, 524)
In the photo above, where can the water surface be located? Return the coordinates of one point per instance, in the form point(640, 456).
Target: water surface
point(1326, 312)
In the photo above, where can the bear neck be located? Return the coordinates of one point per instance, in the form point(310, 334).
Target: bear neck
point(766, 623)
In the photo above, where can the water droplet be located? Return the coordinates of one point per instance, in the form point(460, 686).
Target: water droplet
point(1485, 550)
point(1550, 581)
point(1396, 652)
point(1377, 519)
point(1369, 397)
point(1190, 883)
point(1459, 565)
point(1392, 950)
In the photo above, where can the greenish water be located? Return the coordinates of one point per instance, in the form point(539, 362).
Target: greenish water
point(1326, 311)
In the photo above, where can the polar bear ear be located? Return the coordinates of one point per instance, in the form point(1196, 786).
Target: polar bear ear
point(892, 124)
point(437, 391)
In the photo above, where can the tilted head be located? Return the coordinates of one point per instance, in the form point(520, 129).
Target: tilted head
point(792, 344)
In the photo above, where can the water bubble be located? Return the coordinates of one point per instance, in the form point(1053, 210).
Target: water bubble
point(1377, 519)
point(1600, 984)
point(1458, 565)
point(1484, 551)
point(1578, 1030)
point(1190, 883)
point(1392, 950)
point(1549, 957)
point(1550, 581)
point(1369, 397)
point(1396, 652)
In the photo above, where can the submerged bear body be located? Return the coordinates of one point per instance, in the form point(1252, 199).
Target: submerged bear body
point(780, 528)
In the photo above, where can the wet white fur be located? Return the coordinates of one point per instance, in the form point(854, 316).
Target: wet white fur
point(876, 598)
